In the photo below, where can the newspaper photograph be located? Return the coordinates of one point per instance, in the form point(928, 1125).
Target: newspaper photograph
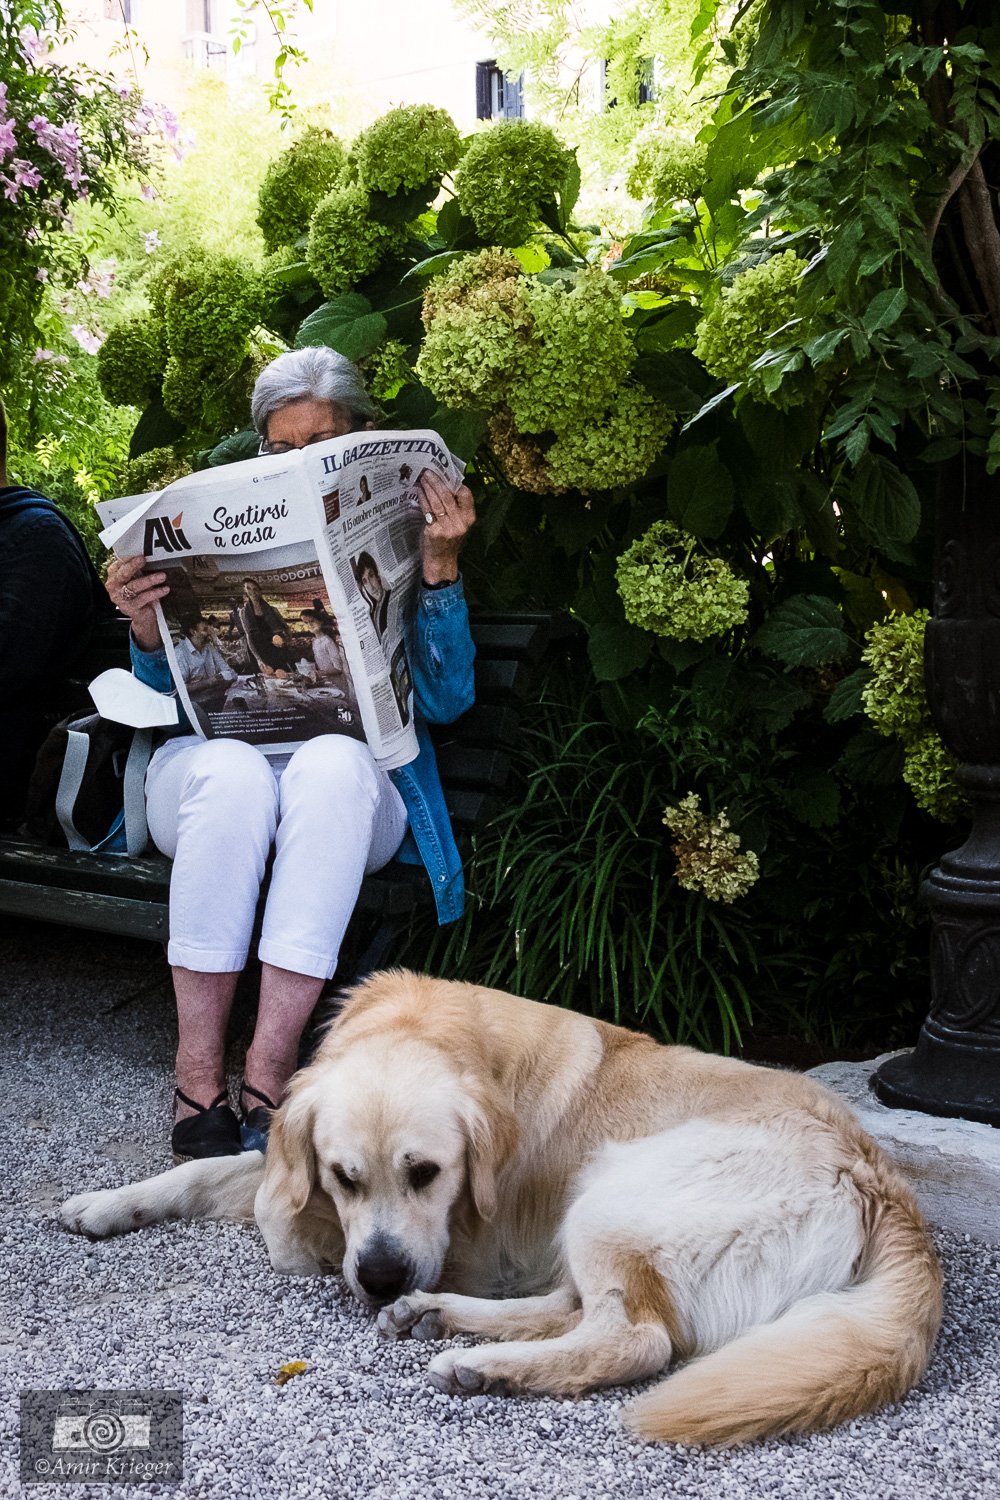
point(292, 579)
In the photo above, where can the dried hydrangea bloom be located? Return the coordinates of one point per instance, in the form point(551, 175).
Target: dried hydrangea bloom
point(708, 853)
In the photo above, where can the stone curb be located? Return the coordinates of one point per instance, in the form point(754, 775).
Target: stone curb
point(953, 1166)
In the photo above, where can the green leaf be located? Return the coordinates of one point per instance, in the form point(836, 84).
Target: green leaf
point(617, 650)
point(569, 191)
point(882, 503)
point(401, 207)
point(845, 701)
point(676, 378)
point(454, 227)
point(710, 405)
point(778, 701)
point(156, 428)
point(805, 631)
point(813, 798)
point(885, 309)
point(413, 407)
point(662, 334)
point(533, 258)
point(463, 431)
point(433, 265)
point(297, 274)
point(699, 492)
point(346, 324)
point(870, 760)
point(780, 438)
point(233, 449)
point(771, 505)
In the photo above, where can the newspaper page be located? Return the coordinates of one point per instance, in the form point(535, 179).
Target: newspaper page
point(292, 579)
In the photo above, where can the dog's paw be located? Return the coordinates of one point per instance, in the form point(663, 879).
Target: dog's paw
point(407, 1317)
point(456, 1373)
point(99, 1214)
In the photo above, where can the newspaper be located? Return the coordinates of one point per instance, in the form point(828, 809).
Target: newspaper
point(291, 580)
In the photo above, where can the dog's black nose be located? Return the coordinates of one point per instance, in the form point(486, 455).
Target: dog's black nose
point(382, 1271)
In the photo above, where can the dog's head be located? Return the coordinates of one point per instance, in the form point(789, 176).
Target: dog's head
point(387, 1128)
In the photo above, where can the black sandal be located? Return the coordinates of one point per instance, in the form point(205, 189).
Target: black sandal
point(212, 1131)
point(257, 1121)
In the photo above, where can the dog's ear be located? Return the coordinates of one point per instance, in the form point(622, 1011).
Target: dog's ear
point(291, 1156)
point(491, 1136)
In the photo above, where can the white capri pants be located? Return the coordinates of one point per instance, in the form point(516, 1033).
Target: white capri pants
point(216, 807)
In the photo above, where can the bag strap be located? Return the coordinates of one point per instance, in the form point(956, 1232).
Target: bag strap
point(70, 780)
point(136, 828)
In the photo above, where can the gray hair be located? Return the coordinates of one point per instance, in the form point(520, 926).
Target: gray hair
point(314, 374)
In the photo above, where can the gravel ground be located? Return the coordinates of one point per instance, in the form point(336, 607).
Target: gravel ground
point(86, 1079)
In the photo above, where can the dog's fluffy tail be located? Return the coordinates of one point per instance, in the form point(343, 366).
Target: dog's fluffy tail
point(829, 1358)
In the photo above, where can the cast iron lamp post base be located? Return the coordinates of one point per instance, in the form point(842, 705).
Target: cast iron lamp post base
point(955, 1069)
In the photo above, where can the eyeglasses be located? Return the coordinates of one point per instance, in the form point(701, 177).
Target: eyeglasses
point(275, 450)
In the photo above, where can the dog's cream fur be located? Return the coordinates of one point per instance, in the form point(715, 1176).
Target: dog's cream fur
point(603, 1205)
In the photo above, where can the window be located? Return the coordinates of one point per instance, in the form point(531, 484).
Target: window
point(498, 96)
point(644, 91)
point(122, 10)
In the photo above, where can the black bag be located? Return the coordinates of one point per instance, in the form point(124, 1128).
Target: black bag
point(87, 790)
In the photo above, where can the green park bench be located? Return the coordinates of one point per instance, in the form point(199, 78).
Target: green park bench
point(127, 896)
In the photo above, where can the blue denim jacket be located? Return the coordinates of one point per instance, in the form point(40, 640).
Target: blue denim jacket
point(441, 653)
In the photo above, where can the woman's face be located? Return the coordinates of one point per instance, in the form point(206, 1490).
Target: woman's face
point(372, 584)
point(252, 592)
point(302, 423)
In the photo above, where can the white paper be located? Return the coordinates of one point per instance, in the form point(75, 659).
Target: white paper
point(124, 699)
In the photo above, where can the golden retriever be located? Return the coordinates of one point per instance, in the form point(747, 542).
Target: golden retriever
point(601, 1204)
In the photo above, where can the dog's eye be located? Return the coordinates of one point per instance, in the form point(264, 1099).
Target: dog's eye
point(423, 1174)
point(347, 1183)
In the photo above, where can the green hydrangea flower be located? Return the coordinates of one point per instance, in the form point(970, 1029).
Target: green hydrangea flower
point(929, 771)
point(895, 699)
point(616, 448)
point(736, 331)
point(131, 361)
point(387, 370)
point(211, 306)
point(474, 351)
point(185, 382)
point(345, 242)
point(666, 170)
point(581, 351)
point(294, 184)
point(506, 174)
point(708, 853)
point(668, 587)
point(155, 470)
point(470, 273)
point(406, 148)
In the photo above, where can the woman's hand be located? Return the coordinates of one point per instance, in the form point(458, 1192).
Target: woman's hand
point(134, 592)
point(448, 518)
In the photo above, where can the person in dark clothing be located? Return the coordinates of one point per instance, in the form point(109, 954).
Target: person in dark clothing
point(50, 599)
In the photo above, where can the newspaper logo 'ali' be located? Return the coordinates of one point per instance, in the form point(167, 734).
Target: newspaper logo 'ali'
point(167, 535)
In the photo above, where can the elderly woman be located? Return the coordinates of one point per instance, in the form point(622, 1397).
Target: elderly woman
point(219, 807)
